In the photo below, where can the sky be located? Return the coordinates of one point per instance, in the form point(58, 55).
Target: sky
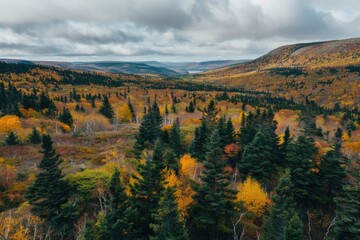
point(167, 30)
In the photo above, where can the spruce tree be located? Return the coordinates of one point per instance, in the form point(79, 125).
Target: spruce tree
point(35, 136)
point(210, 115)
point(106, 109)
point(120, 213)
point(229, 132)
point(51, 110)
point(281, 211)
point(149, 130)
point(301, 159)
point(294, 228)
point(49, 193)
point(146, 191)
point(213, 202)
point(198, 146)
point(131, 108)
point(12, 139)
point(258, 157)
point(175, 138)
point(167, 223)
point(347, 225)
point(66, 117)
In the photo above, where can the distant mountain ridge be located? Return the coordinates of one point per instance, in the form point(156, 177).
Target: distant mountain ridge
point(171, 69)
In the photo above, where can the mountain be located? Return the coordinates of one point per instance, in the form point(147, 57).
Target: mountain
point(327, 72)
point(186, 67)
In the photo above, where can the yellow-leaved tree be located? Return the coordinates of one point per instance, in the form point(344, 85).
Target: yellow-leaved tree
point(10, 122)
point(124, 113)
point(253, 197)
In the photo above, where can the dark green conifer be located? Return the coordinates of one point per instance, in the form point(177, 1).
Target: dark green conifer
point(167, 223)
point(11, 138)
point(213, 203)
point(106, 109)
point(35, 136)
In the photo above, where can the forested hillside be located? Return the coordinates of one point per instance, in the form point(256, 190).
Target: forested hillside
point(325, 72)
point(88, 155)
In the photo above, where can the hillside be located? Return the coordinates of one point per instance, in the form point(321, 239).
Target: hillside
point(327, 72)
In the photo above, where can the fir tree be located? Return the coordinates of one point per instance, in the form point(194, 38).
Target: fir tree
point(198, 146)
point(11, 139)
point(213, 203)
point(106, 109)
point(210, 115)
point(230, 132)
point(66, 117)
point(120, 213)
point(149, 130)
point(131, 108)
point(347, 225)
point(294, 228)
point(49, 193)
point(301, 159)
point(167, 223)
point(281, 211)
point(175, 138)
point(146, 191)
point(35, 136)
point(257, 159)
point(51, 110)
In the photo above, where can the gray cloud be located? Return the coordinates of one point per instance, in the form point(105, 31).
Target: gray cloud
point(168, 29)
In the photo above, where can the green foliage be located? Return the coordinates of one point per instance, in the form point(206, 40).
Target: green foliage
point(146, 191)
point(213, 200)
point(35, 136)
point(149, 130)
point(66, 117)
point(167, 222)
point(258, 158)
point(120, 215)
point(293, 230)
point(175, 139)
point(347, 225)
point(49, 194)
point(198, 146)
point(11, 139)
point(282, 210)
point(301, 160)
point(106, 109)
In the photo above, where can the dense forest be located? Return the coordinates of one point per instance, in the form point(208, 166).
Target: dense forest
point(102, 156)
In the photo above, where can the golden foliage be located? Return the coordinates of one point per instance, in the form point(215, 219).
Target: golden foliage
point(10, 122)
point(188, 165)
point(124, 113)
point(254, 198)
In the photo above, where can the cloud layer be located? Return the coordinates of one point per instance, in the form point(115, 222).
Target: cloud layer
point(174, 30)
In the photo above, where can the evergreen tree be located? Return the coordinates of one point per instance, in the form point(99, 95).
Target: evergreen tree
point(293, 230)
point(51, 110)
point(120, 213)
point(35, 136)
point(198, 146)
point(167, 221)
point(281, 211)
point(301, 159)
point(213, 203)
point(210, 115)
point(258, 157)
point(49, 193)
point(230, 132)
point(93, 105)
point(12, 139)
point(175, 138)
point(66, 117)
point(347, 225)
point(146, 191)
point(131, 108)
point(149, 130)
point(106, 109)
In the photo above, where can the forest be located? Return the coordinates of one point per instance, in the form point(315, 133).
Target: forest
point(108, 156)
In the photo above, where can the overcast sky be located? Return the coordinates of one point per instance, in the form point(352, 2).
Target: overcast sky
point(168, 30)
